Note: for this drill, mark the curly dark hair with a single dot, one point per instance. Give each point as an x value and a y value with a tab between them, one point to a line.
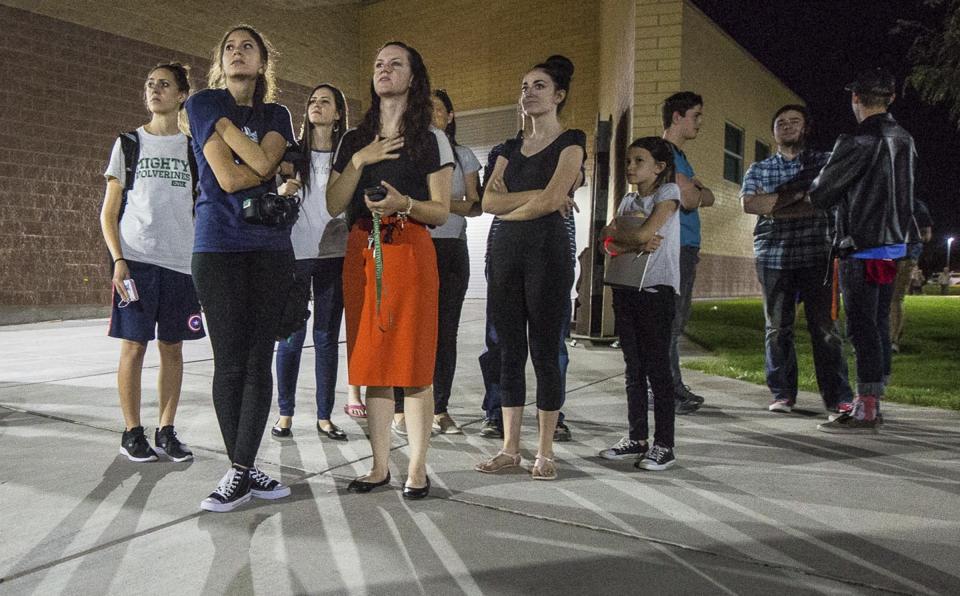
415	124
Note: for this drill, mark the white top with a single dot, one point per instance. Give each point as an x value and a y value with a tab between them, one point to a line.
663	266
157	223
456	225
317	234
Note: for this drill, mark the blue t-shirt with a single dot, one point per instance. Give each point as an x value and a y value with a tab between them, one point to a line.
689	220
888	251
219	223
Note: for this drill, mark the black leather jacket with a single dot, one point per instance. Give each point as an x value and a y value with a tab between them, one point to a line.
869	177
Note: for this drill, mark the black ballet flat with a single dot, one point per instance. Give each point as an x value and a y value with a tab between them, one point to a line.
334	433
416	493
282	433
359	486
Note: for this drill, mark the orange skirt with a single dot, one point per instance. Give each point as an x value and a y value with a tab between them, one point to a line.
397	346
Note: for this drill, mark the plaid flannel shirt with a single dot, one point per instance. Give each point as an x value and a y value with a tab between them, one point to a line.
788	243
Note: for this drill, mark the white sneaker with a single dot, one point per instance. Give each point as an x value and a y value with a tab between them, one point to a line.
780	405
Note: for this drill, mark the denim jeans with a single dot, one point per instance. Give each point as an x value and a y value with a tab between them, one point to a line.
326	277
644	319
867	306
900	287
782	290
689	257
490	367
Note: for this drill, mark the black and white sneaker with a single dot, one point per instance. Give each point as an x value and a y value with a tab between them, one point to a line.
658	458
625	449
168	444
135	446
264	487
233	491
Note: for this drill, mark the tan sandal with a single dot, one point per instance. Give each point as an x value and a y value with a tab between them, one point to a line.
498	462
543	468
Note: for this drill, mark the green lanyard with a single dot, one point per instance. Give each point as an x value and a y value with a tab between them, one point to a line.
378	260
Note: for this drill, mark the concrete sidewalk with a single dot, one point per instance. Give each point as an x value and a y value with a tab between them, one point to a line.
758	504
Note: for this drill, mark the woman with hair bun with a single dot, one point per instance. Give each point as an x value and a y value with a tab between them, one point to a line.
243	271
531	272
392	177
147	223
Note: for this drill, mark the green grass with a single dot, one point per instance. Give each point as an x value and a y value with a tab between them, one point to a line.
925	372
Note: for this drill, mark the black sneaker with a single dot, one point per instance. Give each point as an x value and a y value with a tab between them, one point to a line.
233	491
625	449
168	444
687	402
491	429
135	446
562	433
265	487
849	425
683	392
658	458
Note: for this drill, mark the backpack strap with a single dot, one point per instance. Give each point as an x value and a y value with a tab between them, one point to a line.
130	147
194	177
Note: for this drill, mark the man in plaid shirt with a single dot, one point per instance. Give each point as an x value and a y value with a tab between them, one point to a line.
792	246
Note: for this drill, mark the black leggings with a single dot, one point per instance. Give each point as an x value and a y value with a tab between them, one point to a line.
242	295
531	274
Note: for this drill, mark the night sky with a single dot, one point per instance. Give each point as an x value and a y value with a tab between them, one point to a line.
816	47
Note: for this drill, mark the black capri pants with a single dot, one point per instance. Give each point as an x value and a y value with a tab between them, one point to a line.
531	274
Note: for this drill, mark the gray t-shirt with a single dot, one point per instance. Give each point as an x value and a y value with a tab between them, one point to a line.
456	225
157	223
663	266
317	234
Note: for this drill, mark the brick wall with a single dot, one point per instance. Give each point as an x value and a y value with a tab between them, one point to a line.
68	91
657	65
316	42
736	88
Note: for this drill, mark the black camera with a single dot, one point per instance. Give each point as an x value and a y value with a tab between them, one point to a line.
375	193
272	210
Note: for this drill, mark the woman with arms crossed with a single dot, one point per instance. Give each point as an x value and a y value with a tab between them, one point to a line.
243	271
531	272
390	281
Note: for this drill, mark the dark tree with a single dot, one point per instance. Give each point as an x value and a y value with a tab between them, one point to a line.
935	54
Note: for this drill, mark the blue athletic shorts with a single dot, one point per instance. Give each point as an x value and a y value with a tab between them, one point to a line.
167	309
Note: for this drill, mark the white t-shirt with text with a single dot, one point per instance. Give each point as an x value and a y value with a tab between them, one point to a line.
157	222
